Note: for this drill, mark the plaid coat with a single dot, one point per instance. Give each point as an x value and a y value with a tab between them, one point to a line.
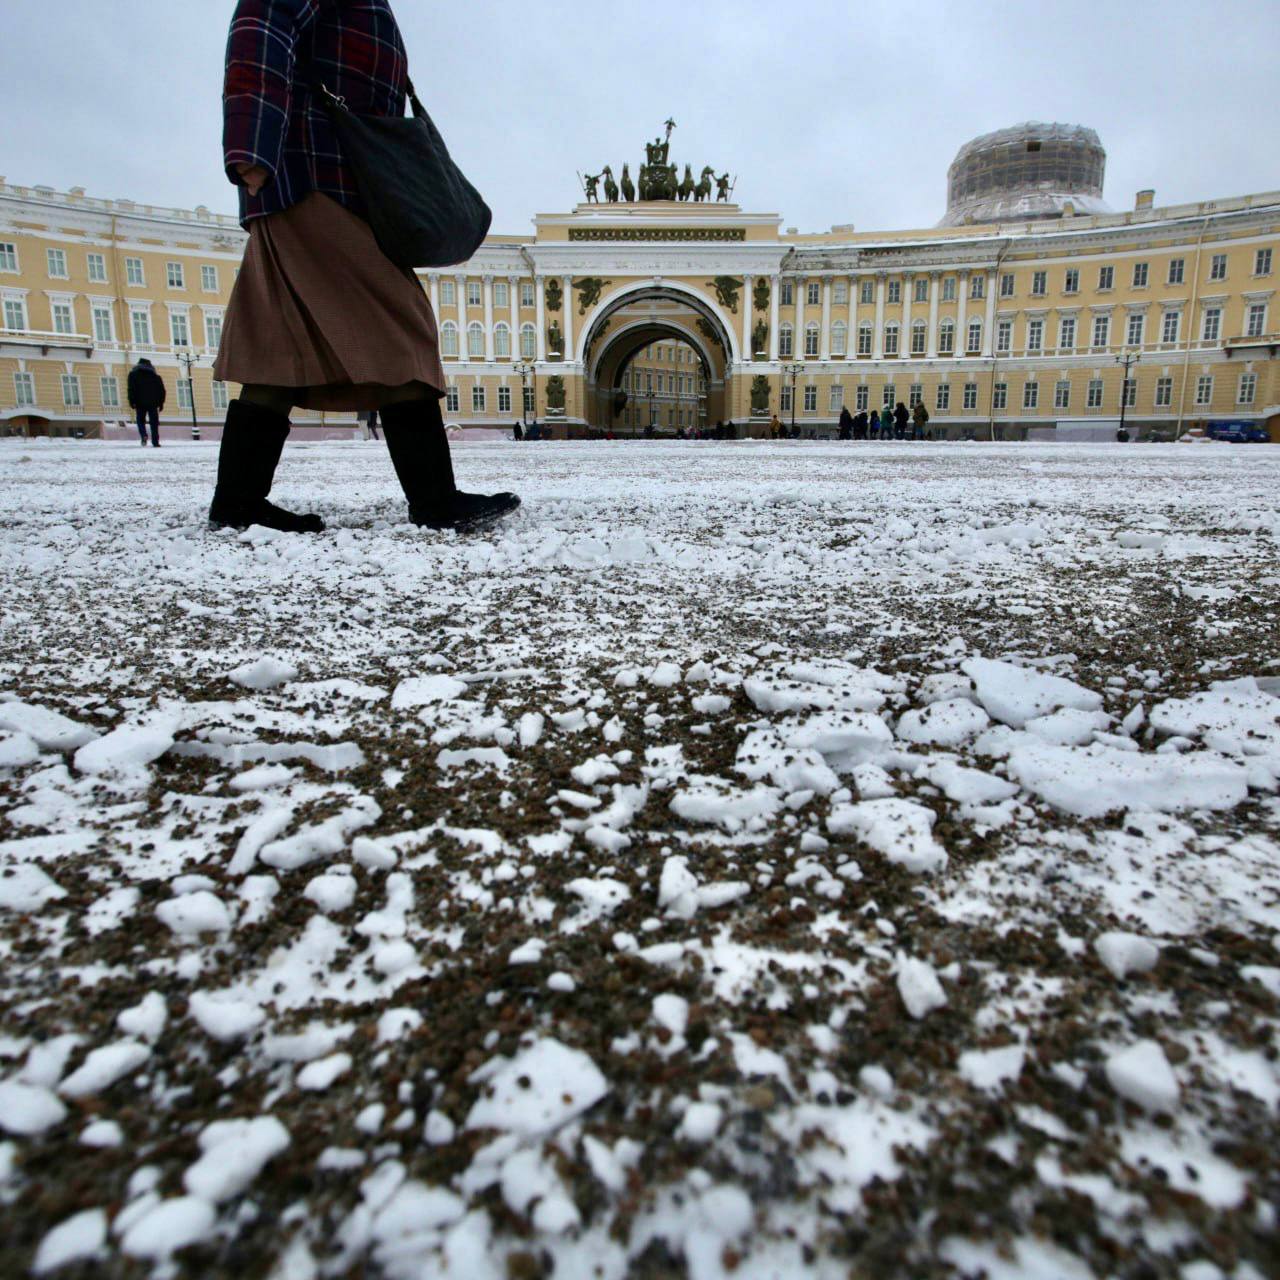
271	114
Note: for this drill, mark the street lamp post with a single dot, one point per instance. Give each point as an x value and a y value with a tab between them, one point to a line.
793	370
526	370
1126	359
188	359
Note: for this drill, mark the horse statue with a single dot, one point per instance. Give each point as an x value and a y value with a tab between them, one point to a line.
703	190
686	187
628	187
610	187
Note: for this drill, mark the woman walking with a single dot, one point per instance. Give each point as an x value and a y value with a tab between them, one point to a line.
319	317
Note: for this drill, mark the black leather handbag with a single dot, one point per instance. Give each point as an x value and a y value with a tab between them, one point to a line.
423	211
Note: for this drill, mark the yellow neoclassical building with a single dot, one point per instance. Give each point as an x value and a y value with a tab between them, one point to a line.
1031	309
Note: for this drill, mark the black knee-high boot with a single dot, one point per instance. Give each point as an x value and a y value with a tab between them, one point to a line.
419	449
252	441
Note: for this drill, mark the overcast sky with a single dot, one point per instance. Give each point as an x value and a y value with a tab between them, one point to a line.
827	112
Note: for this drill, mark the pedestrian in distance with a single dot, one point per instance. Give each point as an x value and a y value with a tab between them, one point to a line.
919	419
320	318
860	425
873	425
900	416
146	397
517	432
775	428
846	423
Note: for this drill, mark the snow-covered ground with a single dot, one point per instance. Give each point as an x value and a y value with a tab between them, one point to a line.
752	860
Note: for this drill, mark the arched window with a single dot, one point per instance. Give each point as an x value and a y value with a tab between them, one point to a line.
449	338
528	342
786	341
974	343
918	330
864	338
891	338
502	341
839	338
947	338
475	339
811	338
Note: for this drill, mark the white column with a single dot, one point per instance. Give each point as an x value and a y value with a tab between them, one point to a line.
851	351
747	306
934	290
797	346
433	285
775	283
464	351
908	295
488	318
825	337
962	302
988	338
568	318
540	315
877	351
513	283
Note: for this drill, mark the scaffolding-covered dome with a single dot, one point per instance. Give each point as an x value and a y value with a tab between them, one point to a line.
1029	172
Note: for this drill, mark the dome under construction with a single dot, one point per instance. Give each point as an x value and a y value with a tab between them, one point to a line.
1027	173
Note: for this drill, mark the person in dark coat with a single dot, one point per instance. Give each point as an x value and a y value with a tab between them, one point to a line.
919	420
146	397
517	432
900	416
319	316
846	423
873	425
860	425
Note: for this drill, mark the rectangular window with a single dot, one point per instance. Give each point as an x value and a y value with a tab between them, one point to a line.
891	339
184	393
1062	395
448	296
133	272
175	276
62	319
1031	395
786	341
1067	333
1000	396
836	402
864	340
474	296
219	395
1137	322
811	399
1039	283
1006	285
15	313
788	292
840	293
179	329
949	289
1140	275
212	330
1101	330
57	260
895	291
24	389
1130	392
915	395
1164	392
943	402
1261	262
1204	389
71	391
1071	282
110	390
1177	269
209	278
1094	400
921	289
1218	267
811	340
451	403
1247	388
890	396
526	294
97	267
1212	324
973	343
141	322
862	398
784	398
977	286
813	295
970	395
1035	335
530	404
917	339
501	294
103	329
1169	326
478	400
1004	335
504	399
8	256
1106	277
868	291
1256	323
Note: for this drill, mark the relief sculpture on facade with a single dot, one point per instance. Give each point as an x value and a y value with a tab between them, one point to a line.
589	289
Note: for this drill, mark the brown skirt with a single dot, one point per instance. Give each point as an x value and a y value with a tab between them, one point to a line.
319	308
